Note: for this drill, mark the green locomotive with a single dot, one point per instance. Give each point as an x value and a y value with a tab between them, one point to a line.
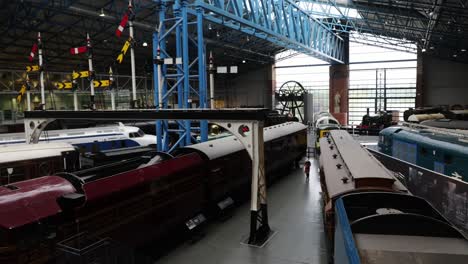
445	153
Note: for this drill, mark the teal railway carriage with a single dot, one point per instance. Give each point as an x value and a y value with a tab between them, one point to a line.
437	151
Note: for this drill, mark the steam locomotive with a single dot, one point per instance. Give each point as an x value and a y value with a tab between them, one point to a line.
138	199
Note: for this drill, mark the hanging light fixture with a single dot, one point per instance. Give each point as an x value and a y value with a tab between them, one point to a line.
145	44
102	13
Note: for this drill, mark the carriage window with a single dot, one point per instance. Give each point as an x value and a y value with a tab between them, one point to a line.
3	237
447	159
134	135
387	141
44	169
95	147
423	151
11	174
137	134
82	149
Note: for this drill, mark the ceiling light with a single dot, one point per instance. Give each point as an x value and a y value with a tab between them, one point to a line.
209	26
454	55
243	61
463	50
431	13
145	44
217	34
423	50
102	13
431	47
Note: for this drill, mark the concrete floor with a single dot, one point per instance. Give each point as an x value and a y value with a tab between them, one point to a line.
294	207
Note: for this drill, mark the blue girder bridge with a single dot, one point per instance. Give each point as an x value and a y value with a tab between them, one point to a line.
180	70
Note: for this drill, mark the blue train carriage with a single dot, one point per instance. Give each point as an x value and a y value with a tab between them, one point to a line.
443	153
386	227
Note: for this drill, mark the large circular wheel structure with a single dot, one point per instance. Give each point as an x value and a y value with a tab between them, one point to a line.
291	97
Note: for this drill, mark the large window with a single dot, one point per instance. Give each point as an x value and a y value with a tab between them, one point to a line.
379	79
311	73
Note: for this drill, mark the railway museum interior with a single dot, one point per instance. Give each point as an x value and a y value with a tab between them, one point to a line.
234	131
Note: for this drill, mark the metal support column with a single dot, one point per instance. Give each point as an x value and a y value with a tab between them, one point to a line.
28	100
41	71
211	71
251	136
185	65
132	55
112	88
201	73
28	93
259	226
180	72
92	104
75	100
184	77
157	68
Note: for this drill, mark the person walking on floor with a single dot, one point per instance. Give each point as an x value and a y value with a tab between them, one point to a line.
307	169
